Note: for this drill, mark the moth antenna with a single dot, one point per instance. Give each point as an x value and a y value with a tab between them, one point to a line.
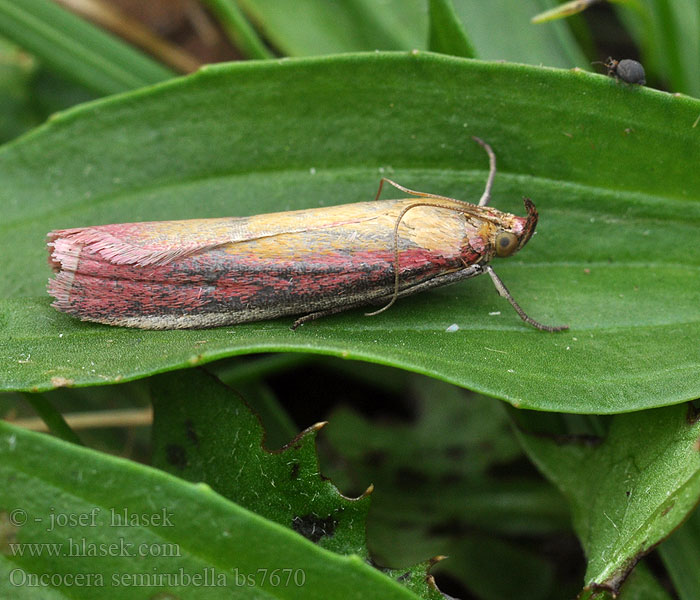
398	186
486	196
402	214
483	201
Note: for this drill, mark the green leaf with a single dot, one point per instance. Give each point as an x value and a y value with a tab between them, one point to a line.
192	532
640	585
681	557
525	42
446	32
445	484
307	27
607	166
628	491
29	93
16	112
52	417
278	425
203	431
77	49
563	10
240	32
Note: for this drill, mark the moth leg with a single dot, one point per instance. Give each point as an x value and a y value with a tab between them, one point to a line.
486	196
503	291
398	186
440	280
324	313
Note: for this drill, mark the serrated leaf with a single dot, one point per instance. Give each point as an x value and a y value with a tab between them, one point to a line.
191	532
203	431
608	167
629	491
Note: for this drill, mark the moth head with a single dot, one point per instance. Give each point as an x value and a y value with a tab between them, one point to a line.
509	240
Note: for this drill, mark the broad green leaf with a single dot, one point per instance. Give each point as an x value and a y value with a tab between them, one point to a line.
193	532
77	49
307	27
248	377
627	492
608	166
681	557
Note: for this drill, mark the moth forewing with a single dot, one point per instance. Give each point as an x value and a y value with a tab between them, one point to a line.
209	272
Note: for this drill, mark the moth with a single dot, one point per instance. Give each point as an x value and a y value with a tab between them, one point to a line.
309	263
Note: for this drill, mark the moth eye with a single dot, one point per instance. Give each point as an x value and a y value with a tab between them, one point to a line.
506	243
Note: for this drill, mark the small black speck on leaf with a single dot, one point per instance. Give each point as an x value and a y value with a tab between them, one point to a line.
313	527
191	433
176	455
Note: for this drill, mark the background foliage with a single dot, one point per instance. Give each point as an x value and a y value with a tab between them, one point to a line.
610	169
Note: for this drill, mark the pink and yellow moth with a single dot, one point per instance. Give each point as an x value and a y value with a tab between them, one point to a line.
209	272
